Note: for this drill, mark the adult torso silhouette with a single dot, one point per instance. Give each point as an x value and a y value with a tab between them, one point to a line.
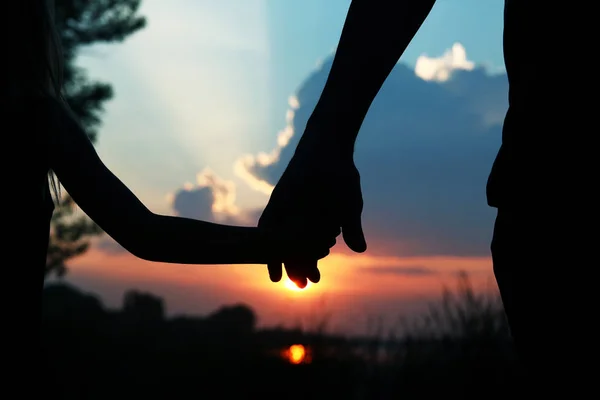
540	185
542	102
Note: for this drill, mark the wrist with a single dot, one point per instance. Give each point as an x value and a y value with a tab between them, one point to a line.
327	137
265	246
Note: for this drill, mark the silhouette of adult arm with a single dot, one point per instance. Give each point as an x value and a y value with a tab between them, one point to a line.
375	35
103	197
320	190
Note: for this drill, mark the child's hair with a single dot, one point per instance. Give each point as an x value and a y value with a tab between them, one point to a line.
34	55
35	59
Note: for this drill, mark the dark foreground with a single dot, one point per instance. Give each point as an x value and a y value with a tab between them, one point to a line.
460	349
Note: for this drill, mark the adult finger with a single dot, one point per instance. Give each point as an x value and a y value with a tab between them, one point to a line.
303	270
312	271
353	234
275	271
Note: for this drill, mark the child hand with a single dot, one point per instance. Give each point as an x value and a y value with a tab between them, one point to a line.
300	252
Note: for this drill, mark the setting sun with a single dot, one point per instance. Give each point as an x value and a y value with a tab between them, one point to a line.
296	354
289	284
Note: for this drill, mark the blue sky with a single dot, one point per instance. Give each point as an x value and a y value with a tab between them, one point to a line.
208	80
213	84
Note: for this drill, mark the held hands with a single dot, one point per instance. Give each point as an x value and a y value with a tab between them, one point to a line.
318	196
270	247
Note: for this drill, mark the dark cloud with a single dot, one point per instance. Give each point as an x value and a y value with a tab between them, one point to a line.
416	270
194	203
210	199
424	152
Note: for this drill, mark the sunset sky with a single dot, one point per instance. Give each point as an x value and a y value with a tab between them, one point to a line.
210	99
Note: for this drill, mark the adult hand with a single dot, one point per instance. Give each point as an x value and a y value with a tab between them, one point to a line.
318	196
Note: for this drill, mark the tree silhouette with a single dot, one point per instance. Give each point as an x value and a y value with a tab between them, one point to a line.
143	307
82	23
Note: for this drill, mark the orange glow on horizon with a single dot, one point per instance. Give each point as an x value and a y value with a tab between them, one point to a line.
352	286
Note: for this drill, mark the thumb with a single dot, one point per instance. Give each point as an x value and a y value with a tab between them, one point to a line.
354	236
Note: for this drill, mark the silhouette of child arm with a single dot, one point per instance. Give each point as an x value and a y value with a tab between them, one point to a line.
105	199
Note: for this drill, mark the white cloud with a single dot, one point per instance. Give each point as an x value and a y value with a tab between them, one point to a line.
440	68
210	198
245	164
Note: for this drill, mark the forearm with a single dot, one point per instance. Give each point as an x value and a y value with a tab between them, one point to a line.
188	241
374	37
